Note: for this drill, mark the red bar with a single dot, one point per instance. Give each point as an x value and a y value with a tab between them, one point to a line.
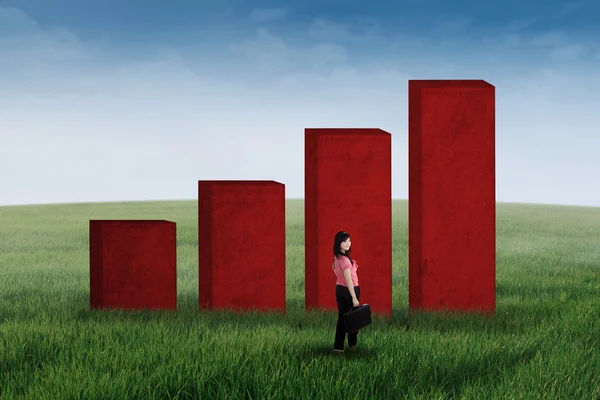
348	186
241	245
452	195
133	264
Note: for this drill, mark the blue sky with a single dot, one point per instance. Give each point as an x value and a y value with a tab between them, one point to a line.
132	100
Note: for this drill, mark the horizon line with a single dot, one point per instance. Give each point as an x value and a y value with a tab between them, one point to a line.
287	198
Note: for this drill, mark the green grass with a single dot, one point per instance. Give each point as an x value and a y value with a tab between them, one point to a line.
544	341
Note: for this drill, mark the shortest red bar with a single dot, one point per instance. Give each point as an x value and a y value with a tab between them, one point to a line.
133	264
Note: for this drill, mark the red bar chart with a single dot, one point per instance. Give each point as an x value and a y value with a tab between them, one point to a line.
452	195
347	187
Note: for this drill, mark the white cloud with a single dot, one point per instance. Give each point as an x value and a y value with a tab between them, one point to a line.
452	26
261	15
572	7
265	44
325	53
358	29
19	34
15	22
549	39
322	29
568	53
34	55
271	54
557	45
519	25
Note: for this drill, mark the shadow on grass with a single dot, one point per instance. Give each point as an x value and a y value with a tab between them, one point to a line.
452	377
418	368
508	319
321	351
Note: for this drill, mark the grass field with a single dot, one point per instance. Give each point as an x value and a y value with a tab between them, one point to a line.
544	341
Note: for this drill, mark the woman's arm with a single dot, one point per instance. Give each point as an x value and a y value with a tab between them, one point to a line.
348	277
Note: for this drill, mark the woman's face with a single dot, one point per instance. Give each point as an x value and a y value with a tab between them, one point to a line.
345	246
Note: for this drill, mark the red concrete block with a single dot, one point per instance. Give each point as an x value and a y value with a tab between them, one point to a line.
241	245
452	195
348	187
133	264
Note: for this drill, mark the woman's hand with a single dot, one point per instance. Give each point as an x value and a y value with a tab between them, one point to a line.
355	302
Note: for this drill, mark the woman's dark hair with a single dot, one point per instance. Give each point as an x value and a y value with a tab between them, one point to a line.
340	238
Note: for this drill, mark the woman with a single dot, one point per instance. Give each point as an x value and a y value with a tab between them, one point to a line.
347	292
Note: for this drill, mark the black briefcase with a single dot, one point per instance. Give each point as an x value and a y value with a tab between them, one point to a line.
357	318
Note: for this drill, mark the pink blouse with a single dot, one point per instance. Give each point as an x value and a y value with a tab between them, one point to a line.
342	263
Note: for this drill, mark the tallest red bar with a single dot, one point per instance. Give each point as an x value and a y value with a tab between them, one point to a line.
452	195
348	186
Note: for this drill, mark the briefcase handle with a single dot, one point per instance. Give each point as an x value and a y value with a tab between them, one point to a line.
358	306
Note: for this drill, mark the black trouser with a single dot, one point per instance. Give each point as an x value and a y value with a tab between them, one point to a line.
344	302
